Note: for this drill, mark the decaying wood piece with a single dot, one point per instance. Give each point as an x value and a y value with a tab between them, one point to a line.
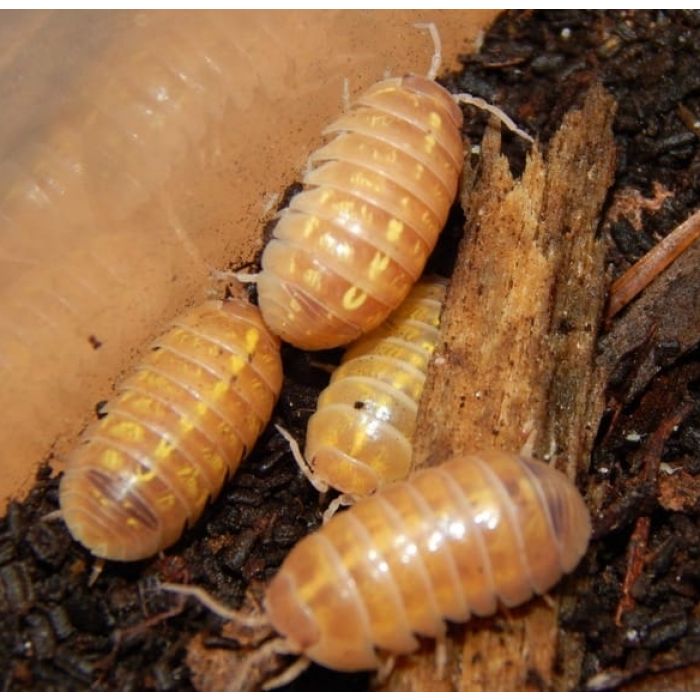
516	355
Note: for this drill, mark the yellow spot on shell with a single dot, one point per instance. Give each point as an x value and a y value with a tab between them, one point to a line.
310	225
112	459
127	430
252	336
140	403
394	230
215	461
163	450
353	298
379	263
186	424
236	363
429	143
221	388
312	278
360	179
434	120
166	501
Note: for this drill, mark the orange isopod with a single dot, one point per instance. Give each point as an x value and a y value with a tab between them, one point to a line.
449	542
178	426
349	247
360	435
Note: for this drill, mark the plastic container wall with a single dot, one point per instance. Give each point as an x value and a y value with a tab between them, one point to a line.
140	152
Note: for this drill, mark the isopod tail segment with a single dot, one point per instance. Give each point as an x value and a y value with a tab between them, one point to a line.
450	542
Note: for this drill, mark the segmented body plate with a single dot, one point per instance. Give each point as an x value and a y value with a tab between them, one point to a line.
360	436
179	425
347	250
450	541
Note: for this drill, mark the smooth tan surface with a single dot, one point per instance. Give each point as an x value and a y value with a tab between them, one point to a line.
360	436
138	152
451	541
178	427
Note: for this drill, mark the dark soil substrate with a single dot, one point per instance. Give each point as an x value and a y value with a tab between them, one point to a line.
123	634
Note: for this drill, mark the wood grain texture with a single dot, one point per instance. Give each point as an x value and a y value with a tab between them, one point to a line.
516	356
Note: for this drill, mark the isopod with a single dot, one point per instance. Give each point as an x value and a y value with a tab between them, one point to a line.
360	435
448	542
348	248
177	428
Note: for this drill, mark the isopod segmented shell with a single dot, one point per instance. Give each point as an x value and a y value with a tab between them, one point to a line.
179	425
360	435
348	248
449	542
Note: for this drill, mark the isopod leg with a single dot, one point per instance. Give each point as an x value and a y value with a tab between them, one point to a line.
53	515
527	450
385	670
320	486
252	671
345	499
246	277
440	657
97	569
257	621
288	675
466	98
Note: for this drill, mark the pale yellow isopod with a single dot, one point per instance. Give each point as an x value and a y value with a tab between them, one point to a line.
349	247
360	435
449	542
177	428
